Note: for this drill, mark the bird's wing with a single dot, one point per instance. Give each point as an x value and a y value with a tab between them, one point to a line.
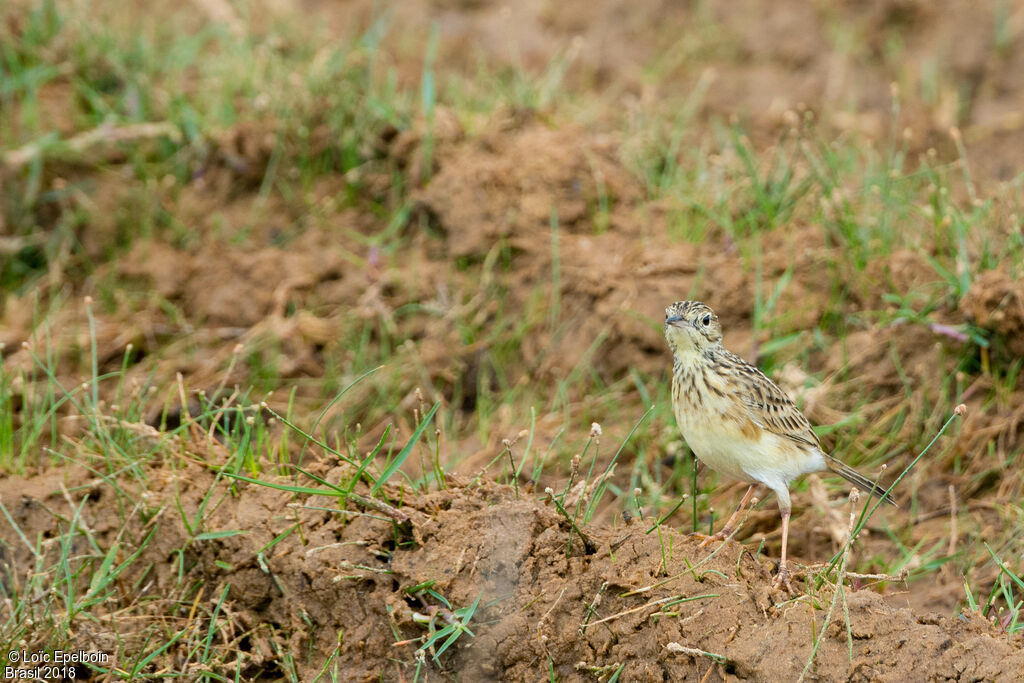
770	408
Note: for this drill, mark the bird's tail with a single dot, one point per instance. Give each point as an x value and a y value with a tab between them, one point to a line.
854	477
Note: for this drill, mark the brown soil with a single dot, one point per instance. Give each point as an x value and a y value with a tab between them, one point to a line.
300	280
756	60
500	187
546	601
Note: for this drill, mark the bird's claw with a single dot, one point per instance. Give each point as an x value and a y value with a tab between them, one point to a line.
782	579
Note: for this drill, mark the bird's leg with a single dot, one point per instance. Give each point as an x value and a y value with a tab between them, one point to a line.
726	531
782	578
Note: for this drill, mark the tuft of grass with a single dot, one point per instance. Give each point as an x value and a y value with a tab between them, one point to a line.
451	633
868	510
1009	586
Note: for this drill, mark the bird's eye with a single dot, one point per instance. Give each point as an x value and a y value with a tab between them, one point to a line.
706	320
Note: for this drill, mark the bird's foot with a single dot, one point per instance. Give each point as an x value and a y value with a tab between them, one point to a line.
782	579
713	538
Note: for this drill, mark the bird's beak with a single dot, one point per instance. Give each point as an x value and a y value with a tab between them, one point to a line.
674	320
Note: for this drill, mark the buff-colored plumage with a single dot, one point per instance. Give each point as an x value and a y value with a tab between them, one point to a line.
737	421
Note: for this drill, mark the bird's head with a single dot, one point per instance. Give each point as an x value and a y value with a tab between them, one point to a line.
691	326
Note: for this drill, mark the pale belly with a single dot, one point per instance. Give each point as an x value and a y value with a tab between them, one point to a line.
763	457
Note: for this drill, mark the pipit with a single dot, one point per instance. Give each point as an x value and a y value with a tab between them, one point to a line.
740	423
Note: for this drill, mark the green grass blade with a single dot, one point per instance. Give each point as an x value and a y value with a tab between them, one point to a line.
330	404
1013	577
226	533
393	466
283	487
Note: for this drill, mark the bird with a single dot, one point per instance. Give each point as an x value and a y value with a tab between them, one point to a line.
740	423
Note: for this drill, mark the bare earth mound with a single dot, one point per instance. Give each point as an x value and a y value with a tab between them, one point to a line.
337	595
